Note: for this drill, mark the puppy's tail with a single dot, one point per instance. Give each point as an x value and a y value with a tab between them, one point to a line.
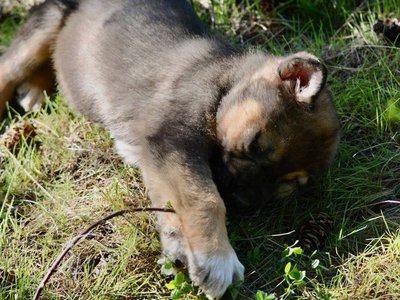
33	45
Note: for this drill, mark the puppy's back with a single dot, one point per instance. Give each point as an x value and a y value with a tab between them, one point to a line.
114	57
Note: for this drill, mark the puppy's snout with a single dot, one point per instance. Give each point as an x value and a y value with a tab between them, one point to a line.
250	201
302	180
289	183
298	177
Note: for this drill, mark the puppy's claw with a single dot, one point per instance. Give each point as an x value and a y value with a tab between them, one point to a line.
214	273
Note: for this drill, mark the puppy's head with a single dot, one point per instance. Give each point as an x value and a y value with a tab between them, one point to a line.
277	127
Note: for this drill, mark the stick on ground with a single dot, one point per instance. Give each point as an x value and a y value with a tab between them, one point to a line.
84	234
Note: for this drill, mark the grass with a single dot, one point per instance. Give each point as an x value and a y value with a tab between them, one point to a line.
67	176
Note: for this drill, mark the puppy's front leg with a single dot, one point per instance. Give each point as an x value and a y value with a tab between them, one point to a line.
187	183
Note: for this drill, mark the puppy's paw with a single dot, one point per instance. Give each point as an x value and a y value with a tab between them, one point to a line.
173	245
215	272
30	97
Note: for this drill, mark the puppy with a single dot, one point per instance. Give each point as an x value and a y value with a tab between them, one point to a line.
205	123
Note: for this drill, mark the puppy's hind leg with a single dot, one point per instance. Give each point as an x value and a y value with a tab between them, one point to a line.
32	47
30	95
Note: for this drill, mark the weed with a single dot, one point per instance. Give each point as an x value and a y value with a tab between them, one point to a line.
180	286
260	295
299	274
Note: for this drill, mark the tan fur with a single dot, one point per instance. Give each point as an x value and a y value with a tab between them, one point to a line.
268	71
237	127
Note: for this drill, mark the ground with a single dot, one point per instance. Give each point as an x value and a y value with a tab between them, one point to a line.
337	239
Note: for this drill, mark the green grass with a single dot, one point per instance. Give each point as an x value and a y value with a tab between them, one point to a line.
67	176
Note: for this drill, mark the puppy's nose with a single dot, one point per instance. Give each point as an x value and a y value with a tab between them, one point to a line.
301	177
302	180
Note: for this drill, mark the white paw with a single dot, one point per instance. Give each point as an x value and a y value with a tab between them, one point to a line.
32	98
214	273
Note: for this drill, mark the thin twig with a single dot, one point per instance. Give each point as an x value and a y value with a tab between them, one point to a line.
391	201
84	234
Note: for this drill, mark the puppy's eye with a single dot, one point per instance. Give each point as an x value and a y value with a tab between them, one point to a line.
261	147
254	147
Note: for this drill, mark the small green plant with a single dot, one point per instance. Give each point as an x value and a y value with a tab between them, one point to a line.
167	266
297	263
293	276
260	295
180	286
299	272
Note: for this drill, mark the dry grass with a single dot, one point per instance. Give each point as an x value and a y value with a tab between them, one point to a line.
372	274
63	179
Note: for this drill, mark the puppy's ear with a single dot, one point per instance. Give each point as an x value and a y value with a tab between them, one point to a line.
303	75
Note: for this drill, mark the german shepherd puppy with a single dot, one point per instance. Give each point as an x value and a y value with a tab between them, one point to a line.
206	123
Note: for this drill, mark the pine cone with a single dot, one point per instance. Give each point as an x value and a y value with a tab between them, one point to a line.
314	231
13	138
